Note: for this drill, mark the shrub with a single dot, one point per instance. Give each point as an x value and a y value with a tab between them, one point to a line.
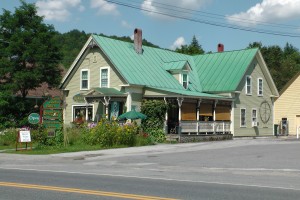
143	139
157	135
8	137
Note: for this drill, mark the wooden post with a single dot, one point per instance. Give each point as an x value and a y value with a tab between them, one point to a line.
198	113
179	101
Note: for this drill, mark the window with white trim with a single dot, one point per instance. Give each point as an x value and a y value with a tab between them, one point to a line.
185	80
260	87
248	85
82	113
104	77
254	117
84	79
243	117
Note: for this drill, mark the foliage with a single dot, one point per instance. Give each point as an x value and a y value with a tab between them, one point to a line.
110	133
70	44
29	56
283	63
157	135
155	111
153	125
8	137
144	139
193	49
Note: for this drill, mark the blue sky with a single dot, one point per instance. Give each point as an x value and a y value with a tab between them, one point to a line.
107	17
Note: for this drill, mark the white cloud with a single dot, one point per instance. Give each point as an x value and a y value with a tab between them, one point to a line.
153	7
126	24
267	11
57	9
104	7
178	43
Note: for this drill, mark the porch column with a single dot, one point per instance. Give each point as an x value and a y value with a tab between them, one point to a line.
166	117
129	101
179	100
198	113
232	118
106	103
214	117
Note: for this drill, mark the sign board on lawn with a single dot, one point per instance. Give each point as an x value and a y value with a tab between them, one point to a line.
24	136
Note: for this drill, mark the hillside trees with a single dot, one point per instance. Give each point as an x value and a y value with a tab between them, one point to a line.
283	63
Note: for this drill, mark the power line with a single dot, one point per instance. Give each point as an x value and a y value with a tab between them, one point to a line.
207	22
217	16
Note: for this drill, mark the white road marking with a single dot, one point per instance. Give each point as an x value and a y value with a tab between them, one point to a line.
161	179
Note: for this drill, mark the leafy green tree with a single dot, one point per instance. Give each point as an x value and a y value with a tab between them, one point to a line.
193	49
29	56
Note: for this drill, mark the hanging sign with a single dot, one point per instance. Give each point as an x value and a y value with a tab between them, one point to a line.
34	118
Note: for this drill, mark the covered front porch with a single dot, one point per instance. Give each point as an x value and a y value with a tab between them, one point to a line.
192	116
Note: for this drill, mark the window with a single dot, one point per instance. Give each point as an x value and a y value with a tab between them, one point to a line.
254	117
260	87
248	85
243	117
104	74
84	79
185	80
81	113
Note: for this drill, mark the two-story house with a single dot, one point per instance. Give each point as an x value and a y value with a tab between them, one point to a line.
212	93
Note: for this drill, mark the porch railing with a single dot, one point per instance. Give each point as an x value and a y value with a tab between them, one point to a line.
203	127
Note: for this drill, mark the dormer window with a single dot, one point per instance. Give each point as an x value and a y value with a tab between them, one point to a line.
185	80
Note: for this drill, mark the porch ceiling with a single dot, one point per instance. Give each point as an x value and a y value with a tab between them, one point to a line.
189	93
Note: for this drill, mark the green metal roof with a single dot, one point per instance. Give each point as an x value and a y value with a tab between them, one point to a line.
222	72
175	65
211	73
145	69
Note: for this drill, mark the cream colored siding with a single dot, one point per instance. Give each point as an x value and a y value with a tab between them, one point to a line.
250	102
92	60
288	105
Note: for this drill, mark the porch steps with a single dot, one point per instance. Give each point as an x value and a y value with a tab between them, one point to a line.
172	137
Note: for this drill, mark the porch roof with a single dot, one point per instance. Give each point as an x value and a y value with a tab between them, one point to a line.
99	92
193	93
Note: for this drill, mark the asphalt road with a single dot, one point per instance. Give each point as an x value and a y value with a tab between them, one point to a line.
239	169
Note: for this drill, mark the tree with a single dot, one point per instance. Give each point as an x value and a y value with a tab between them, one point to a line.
193	49
29	55
283	63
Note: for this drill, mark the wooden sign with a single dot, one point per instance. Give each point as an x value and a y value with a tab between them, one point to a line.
24	136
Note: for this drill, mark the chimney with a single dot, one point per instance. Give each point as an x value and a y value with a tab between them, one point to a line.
220	47
138	40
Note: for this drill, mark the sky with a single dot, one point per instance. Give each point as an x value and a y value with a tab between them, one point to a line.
172	23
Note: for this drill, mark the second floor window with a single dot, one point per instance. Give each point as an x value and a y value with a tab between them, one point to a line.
260	87
248	85
84	79
104	77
